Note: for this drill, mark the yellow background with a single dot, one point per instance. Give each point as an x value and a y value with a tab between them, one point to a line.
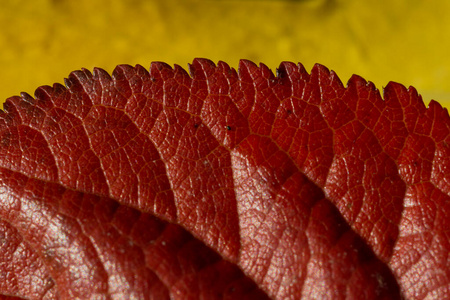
407	41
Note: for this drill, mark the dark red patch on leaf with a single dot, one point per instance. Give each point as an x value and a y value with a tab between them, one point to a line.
223	184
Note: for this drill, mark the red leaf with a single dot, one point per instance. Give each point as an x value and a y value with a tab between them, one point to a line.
223	185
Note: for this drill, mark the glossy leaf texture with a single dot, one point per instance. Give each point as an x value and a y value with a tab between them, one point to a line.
223	184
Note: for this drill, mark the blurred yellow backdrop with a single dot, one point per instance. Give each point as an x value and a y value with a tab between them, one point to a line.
407	41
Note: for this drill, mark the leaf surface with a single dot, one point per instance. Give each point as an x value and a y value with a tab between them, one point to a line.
223	185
